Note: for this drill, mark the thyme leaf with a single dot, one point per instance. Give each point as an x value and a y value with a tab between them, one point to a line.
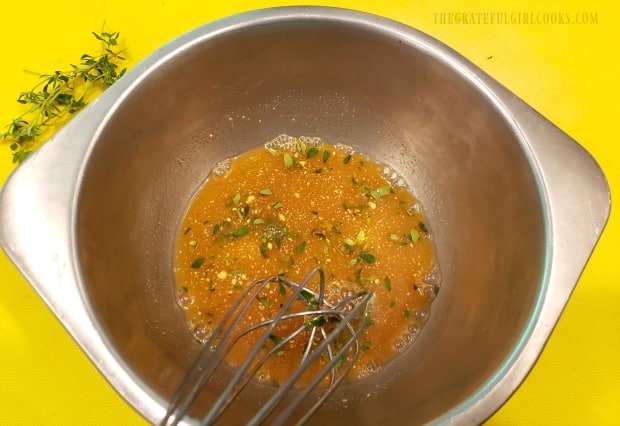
60	94
312	152
197	263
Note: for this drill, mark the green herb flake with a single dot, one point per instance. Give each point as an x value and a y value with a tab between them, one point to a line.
301	145
326	155
423	227
413	235
282	289
265	191
186	230
365	346
197	263
349	242
319	321
258	221
242	231
375	194
388	283
406	313
277	205
288	161
380	192
300	248
394	237
275	339
264	301
185	289
392	303
368	257
347	159
311	301
384	190
236	199
312	152
216	229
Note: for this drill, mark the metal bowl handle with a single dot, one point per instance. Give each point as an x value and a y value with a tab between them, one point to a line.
36	221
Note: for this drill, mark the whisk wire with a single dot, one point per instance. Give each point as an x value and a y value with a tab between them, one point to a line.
222	341
203	366
314	354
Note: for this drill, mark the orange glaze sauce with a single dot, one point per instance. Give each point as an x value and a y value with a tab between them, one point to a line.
289	207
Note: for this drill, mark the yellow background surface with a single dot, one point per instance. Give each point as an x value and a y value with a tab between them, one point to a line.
569	72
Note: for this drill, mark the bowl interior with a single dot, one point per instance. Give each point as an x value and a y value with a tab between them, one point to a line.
225	93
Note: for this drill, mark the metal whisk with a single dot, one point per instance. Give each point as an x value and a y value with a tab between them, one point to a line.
323	322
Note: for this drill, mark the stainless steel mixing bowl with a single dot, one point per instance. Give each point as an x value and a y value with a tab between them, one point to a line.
515	205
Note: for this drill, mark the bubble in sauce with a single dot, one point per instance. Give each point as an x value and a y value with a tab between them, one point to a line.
404	341
433	278
421	315
202	332
222	168
185	300
368	368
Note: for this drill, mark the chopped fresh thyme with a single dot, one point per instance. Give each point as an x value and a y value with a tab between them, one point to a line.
368	257
197	263
275	339
300	248
264	301
242	231
388	283
288	161
413	235
312	152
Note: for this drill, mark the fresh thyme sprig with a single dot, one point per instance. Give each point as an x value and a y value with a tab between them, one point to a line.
59	95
